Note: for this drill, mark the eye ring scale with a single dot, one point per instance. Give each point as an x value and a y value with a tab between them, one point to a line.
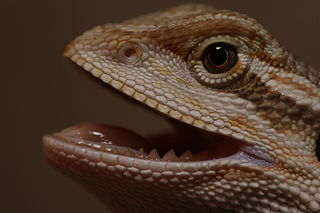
221	62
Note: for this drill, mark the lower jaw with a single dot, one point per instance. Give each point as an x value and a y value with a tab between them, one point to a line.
143	182
104	146
143	185
81	161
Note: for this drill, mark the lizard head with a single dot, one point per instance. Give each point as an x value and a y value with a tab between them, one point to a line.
246	117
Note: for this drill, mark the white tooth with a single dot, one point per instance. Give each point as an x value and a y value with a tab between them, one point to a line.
154	155
170	156
140	152
187	155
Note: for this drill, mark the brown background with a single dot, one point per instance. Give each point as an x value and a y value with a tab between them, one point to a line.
41	92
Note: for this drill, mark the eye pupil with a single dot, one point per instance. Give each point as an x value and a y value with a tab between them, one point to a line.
219	57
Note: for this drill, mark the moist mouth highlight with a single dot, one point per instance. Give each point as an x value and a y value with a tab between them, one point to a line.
184	144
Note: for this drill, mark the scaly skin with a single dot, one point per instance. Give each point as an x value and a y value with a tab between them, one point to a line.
269	100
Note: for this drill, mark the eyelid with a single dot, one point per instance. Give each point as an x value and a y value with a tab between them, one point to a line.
198	50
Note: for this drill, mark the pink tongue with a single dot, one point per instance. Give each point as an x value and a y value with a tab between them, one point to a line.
101	133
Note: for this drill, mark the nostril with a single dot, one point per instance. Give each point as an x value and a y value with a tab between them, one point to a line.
318	148
130	53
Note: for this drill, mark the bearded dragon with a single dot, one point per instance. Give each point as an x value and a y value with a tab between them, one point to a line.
245	114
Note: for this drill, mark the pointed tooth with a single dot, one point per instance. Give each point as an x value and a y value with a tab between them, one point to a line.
187	155
140	152
170	156
154	155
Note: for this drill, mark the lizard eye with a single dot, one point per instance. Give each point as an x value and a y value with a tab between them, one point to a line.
221	62
219	57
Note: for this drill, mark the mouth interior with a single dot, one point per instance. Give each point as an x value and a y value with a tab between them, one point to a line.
183	143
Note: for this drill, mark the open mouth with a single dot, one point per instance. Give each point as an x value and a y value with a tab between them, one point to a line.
183	144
